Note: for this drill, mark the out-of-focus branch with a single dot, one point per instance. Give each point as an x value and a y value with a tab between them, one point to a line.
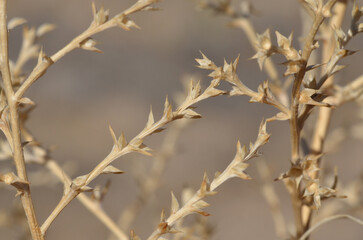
271	197
327	220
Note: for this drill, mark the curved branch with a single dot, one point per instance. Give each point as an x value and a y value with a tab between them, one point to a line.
326	220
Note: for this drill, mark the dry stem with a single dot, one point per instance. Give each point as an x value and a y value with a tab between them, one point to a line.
91	205
324	116
295	129
308	48
15	125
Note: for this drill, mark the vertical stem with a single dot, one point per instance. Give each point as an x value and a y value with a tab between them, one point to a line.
295	129
294	126
323	121
14	123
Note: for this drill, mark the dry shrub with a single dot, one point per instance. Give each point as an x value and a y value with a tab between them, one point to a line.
307	87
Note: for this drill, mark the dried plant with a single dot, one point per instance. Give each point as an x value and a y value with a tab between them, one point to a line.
312	86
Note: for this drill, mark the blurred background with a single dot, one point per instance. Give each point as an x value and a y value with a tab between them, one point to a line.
85	91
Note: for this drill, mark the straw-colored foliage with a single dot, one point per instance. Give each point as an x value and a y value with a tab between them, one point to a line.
312	89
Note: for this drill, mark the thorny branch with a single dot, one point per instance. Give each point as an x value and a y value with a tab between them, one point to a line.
196	203
122	147
302	180
14	98
242	20
100	23
321	13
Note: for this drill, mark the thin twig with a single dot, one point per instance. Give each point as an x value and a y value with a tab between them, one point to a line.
196	203
76	43
271	197
329	219
121	147
92	206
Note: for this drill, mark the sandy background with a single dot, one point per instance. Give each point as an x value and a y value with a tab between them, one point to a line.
85	91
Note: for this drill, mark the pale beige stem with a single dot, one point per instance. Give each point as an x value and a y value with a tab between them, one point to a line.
308	48
323	121
75	190
15	125
92	206
295	129
327	220
271	197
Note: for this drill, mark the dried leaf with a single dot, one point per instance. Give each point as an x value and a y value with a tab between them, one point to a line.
90	45
162	216
205	186
150	8
306	97
26	100
282	41
194	90
100	16
201	204
143	149
174	204
112	170
213	92
125	23
122	141
115	142
264	47
86	189
168	111
198	206
311	67
205	63
44	28
293	66
15	181
150	120
279	116
190	114
14	22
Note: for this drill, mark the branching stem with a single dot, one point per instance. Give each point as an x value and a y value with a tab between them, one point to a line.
15	125
295	128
